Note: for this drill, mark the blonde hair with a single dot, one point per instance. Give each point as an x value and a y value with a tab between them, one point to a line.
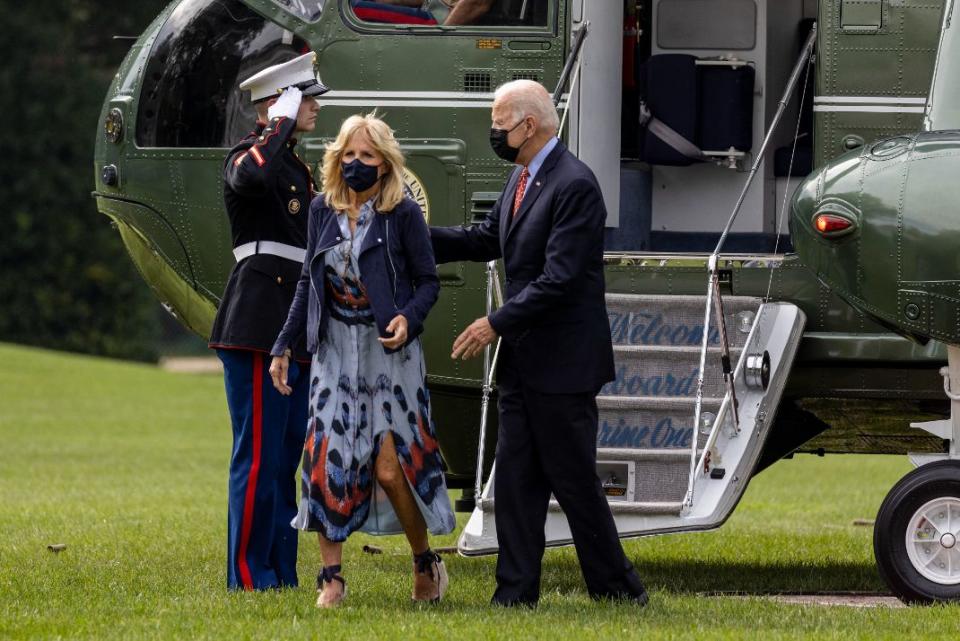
381	138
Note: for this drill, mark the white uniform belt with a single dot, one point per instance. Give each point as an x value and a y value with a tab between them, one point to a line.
269	247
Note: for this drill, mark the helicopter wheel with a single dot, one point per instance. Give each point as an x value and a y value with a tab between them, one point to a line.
916	539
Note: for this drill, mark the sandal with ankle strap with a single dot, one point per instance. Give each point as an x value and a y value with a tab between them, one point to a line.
429	565
329	574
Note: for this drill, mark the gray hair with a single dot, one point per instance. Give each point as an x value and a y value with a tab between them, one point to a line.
528	98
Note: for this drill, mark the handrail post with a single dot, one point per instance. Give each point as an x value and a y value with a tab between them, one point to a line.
698	405
713	285
494	295
572	57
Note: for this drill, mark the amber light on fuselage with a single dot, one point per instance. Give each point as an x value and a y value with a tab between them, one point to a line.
830	223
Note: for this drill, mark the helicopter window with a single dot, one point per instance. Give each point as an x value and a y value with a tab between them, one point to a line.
308	10
190	95
706	24
482	13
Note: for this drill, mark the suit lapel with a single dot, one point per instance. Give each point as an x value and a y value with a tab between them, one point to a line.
506	206
534	188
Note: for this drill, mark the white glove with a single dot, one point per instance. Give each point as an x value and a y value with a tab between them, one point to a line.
287	105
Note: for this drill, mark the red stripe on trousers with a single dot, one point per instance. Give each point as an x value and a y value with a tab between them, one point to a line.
245	577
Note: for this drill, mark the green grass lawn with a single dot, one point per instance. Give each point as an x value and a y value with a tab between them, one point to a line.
126	465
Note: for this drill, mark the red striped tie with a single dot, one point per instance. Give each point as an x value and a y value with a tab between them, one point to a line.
521	189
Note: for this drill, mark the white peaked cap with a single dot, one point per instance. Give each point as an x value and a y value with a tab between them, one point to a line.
298	72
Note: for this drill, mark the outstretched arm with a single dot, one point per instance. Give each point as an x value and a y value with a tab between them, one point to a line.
479	242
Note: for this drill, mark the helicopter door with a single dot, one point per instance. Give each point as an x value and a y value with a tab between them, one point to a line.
707	76
594	127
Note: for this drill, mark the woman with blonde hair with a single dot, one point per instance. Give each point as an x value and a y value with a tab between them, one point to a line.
371	461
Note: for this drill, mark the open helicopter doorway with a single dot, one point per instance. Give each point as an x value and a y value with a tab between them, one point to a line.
688	89
699	378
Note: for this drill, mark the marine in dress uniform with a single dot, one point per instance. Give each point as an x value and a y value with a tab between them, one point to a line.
267	192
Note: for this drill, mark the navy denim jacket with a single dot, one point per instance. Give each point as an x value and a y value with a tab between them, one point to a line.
397	269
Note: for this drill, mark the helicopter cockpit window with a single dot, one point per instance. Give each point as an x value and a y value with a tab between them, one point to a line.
308	10
454	13
190	95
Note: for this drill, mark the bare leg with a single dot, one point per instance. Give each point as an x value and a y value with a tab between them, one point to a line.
394	483
332	554
428	585
429	576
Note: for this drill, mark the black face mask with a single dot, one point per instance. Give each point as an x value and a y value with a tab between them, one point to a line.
498	140
358	176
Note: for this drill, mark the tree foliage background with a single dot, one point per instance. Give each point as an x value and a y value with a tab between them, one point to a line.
65	279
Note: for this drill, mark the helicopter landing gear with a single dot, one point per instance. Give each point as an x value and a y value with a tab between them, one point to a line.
916	539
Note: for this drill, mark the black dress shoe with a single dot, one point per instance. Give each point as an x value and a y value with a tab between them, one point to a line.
641	599
638	599
512	603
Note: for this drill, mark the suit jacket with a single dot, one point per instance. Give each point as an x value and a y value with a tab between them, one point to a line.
554	316
266	190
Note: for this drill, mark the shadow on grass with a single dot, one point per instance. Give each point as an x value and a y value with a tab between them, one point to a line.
758	578
695	577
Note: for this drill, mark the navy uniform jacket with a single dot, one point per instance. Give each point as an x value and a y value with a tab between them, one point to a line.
267	191
554	315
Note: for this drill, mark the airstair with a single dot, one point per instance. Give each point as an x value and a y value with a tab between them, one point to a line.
698	382
661	470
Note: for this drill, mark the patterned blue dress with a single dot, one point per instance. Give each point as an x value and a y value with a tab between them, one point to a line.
359	393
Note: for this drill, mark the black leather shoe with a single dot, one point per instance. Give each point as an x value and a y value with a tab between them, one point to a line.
638	599
642	599
512	603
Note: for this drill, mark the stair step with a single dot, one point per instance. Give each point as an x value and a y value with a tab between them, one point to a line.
637	454
674	320
637	507
658	371
617	507
665	403
649	422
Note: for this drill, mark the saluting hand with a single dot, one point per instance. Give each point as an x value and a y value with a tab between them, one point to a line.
398	326
278	372
473	339
287	105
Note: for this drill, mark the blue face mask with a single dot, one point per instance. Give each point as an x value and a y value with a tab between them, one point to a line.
358	176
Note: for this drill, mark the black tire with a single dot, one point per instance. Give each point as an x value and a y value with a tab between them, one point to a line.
924	484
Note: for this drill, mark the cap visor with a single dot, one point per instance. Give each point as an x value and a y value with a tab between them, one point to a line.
314	89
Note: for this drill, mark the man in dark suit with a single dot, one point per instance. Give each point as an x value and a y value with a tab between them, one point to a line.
556	351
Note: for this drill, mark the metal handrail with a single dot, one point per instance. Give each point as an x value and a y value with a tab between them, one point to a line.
572	58
494	296
725	403
713	277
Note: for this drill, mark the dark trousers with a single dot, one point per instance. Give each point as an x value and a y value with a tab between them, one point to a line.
268	433
548	443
